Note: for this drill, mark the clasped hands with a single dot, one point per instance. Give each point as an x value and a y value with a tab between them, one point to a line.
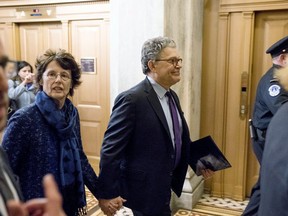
111	206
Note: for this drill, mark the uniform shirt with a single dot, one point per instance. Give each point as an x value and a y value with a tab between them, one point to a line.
269	97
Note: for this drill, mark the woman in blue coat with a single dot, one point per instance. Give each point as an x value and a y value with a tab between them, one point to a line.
45	136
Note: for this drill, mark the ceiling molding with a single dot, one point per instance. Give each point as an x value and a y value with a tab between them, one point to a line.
13	3
252	5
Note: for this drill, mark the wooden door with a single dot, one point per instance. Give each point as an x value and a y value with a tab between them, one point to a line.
8	38
35	38
269	28
89	41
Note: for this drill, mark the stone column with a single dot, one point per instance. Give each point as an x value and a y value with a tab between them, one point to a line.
183	21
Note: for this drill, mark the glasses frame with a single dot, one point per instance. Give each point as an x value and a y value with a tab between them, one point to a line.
173	61
57	74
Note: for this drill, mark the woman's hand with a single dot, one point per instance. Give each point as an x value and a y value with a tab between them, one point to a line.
29	78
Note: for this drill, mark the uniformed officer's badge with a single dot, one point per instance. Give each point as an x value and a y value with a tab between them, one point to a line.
274	90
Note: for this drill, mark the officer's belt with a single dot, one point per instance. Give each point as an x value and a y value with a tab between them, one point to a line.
261	133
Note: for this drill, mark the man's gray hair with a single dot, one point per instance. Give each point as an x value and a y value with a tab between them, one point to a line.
152	48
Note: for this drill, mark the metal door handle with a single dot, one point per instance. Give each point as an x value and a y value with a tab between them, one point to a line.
243	96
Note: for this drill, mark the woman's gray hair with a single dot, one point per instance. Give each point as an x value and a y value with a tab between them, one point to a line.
152	48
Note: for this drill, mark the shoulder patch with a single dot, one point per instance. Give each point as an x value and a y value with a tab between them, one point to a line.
274	90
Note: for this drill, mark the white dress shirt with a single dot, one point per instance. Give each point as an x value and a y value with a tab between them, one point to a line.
160	91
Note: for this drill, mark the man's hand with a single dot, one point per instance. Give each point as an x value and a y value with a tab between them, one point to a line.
52	205
207	173
16	208
111	206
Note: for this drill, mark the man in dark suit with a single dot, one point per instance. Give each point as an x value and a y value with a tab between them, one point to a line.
274	178
141	157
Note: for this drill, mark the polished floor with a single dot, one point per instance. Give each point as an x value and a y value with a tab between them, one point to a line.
209	205
206	206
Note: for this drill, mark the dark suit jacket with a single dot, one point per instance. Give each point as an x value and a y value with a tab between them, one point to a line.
137	156
5	191
274	167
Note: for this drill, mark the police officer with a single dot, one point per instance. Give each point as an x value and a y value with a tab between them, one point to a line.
269	97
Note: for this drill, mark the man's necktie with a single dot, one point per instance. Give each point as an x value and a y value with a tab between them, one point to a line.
176	127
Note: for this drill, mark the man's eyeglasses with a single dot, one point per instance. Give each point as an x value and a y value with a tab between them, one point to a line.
173	61
63	76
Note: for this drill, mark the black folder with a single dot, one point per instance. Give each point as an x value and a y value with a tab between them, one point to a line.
205	154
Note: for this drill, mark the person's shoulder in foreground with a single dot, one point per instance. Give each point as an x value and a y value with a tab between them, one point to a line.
274	199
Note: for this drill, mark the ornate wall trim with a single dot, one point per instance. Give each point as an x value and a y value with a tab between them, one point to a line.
9	3
57	12
255	5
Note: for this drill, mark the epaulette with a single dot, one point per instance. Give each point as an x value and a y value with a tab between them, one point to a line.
274	80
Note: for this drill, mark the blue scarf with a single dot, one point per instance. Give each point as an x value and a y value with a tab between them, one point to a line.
64	122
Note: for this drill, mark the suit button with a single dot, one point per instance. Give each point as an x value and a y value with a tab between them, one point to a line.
172	156
171	174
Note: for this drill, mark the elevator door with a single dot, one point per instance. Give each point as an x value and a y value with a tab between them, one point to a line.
35	38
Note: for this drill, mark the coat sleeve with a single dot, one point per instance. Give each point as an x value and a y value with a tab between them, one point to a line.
15	92
270	95
116	139
89	175
283	98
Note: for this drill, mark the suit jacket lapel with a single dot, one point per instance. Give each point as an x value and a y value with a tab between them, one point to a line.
154	101
4	166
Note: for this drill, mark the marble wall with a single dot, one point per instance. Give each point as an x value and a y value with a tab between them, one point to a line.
132	23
